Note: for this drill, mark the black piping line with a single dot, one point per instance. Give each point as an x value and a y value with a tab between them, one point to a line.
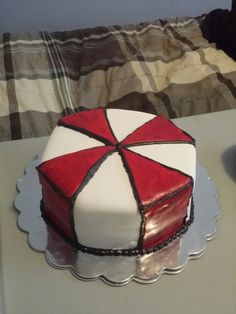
191	141
86	132
88	176
169	168
139	127
159	142
154	161
90	173
109	125
136	196
50	182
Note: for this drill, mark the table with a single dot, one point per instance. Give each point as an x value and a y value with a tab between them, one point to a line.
207	285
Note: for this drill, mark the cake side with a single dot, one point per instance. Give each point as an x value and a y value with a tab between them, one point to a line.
134	196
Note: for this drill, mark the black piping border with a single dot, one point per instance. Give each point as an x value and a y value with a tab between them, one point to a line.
124	252
109	125
191	140
86	132
190	183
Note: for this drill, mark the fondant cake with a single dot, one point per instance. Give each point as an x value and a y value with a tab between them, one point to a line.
118	182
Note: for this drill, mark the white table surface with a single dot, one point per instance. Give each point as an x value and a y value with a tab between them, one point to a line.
207	285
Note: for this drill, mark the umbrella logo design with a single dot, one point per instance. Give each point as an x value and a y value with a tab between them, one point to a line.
161	193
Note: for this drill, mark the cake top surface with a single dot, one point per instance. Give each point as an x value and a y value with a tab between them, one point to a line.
83	141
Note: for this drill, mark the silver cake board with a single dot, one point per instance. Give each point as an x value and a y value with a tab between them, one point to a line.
118	270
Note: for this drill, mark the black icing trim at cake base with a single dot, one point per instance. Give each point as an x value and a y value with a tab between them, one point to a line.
122	252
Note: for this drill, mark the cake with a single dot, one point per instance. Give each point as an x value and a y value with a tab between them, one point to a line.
118	182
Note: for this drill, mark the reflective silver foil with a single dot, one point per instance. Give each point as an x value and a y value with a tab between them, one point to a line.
118	270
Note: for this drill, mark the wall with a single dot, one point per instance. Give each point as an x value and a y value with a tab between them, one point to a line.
33	15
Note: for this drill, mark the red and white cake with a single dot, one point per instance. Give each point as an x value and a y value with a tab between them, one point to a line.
118	182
